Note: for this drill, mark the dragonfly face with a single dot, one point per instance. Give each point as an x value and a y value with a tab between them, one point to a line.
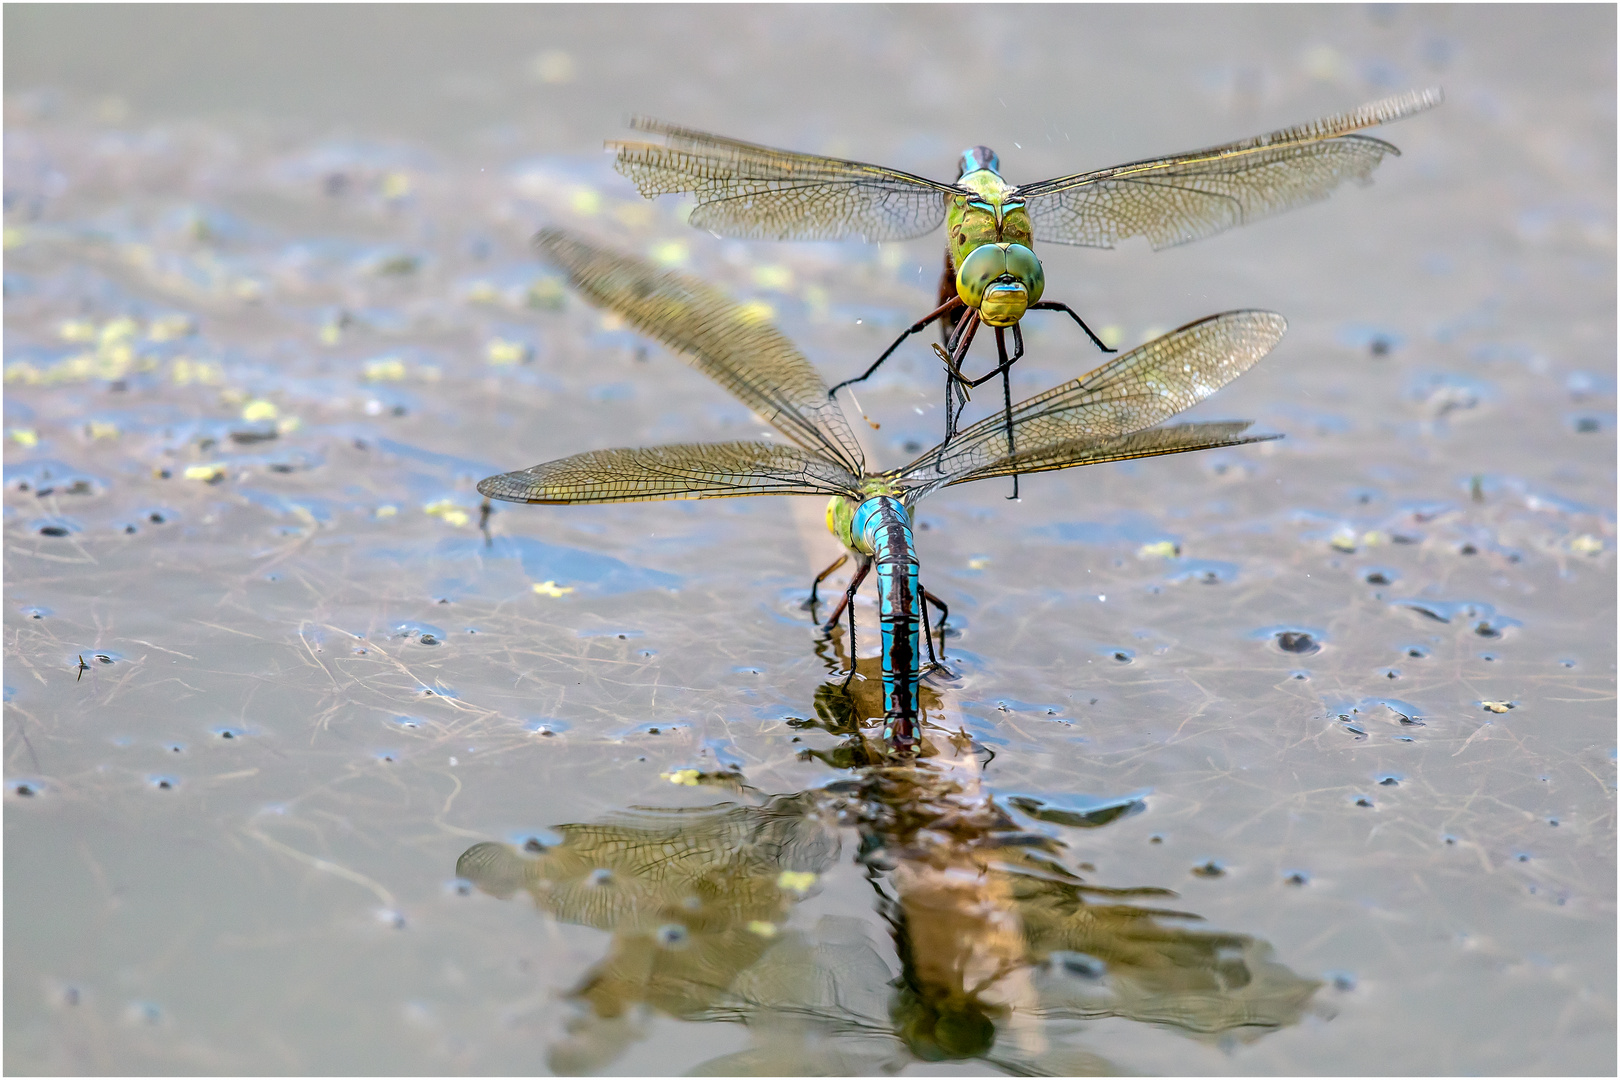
1001	281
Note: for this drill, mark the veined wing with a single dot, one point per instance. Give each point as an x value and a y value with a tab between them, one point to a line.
727	342
759	193
679	471
1154	442
1144	387
1185	197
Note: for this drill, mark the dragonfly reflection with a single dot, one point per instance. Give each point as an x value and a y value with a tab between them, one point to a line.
990	934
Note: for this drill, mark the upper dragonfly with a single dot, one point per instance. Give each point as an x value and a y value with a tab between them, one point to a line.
992	275
1102	416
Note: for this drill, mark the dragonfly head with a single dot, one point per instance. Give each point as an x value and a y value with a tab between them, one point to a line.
975	158
1001	281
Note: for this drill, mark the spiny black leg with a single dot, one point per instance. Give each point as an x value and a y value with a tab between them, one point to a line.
1006	389
842	559
1001	369
928	639
849	595
916	327
849	602
1053	305
944	613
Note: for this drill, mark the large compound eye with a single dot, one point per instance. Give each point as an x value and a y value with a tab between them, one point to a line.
1023	265
982	266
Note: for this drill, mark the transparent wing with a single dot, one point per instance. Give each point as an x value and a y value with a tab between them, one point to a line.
729	343
1130	393
1154	442
758	193
1174	200
680	471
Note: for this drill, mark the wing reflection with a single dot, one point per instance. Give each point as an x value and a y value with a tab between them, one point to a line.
990	937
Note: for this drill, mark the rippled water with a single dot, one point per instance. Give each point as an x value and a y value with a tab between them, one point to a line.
1296	757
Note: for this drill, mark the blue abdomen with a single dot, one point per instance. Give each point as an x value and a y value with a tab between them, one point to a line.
884	528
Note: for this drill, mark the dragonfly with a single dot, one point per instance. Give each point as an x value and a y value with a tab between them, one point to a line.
1107	415
992	276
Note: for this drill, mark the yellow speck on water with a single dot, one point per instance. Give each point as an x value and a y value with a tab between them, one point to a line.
761	928
77	330
331	334
756	311
668	253
779	278
1374	538
547	294
14	238
385	369
24	436
688	777
288	424
233	395
447	511
1159	549
798	881
978	562
1497	706
170	327
635	215
101	429
482	292
1112	335
396	185
1586	544
1324	62
553	66
186	371
585	202
1343	539
118	330
208	474
553	590
501	352
260	409
387	511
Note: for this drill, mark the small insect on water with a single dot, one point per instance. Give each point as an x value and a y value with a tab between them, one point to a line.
992	276
1107	415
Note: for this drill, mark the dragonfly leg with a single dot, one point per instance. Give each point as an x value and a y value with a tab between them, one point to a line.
944	613
849	595
916	327
1006	386
811	603
1053	305
484	510
849	602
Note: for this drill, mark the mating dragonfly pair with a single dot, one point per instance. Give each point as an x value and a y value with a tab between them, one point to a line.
1106	415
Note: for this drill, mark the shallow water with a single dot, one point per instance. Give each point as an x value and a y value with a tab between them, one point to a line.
271	698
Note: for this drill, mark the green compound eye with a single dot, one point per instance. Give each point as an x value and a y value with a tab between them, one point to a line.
1023	265
982	266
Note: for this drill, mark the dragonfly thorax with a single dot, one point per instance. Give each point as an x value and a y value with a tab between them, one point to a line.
851	520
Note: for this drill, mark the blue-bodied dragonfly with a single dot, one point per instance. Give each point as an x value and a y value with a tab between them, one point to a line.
1107	415
992	275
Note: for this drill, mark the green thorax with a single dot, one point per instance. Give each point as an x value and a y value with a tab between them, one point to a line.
841	509
989	216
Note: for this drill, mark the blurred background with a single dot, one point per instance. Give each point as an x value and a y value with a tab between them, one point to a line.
270	315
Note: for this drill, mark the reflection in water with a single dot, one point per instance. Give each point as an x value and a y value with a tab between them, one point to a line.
991	935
